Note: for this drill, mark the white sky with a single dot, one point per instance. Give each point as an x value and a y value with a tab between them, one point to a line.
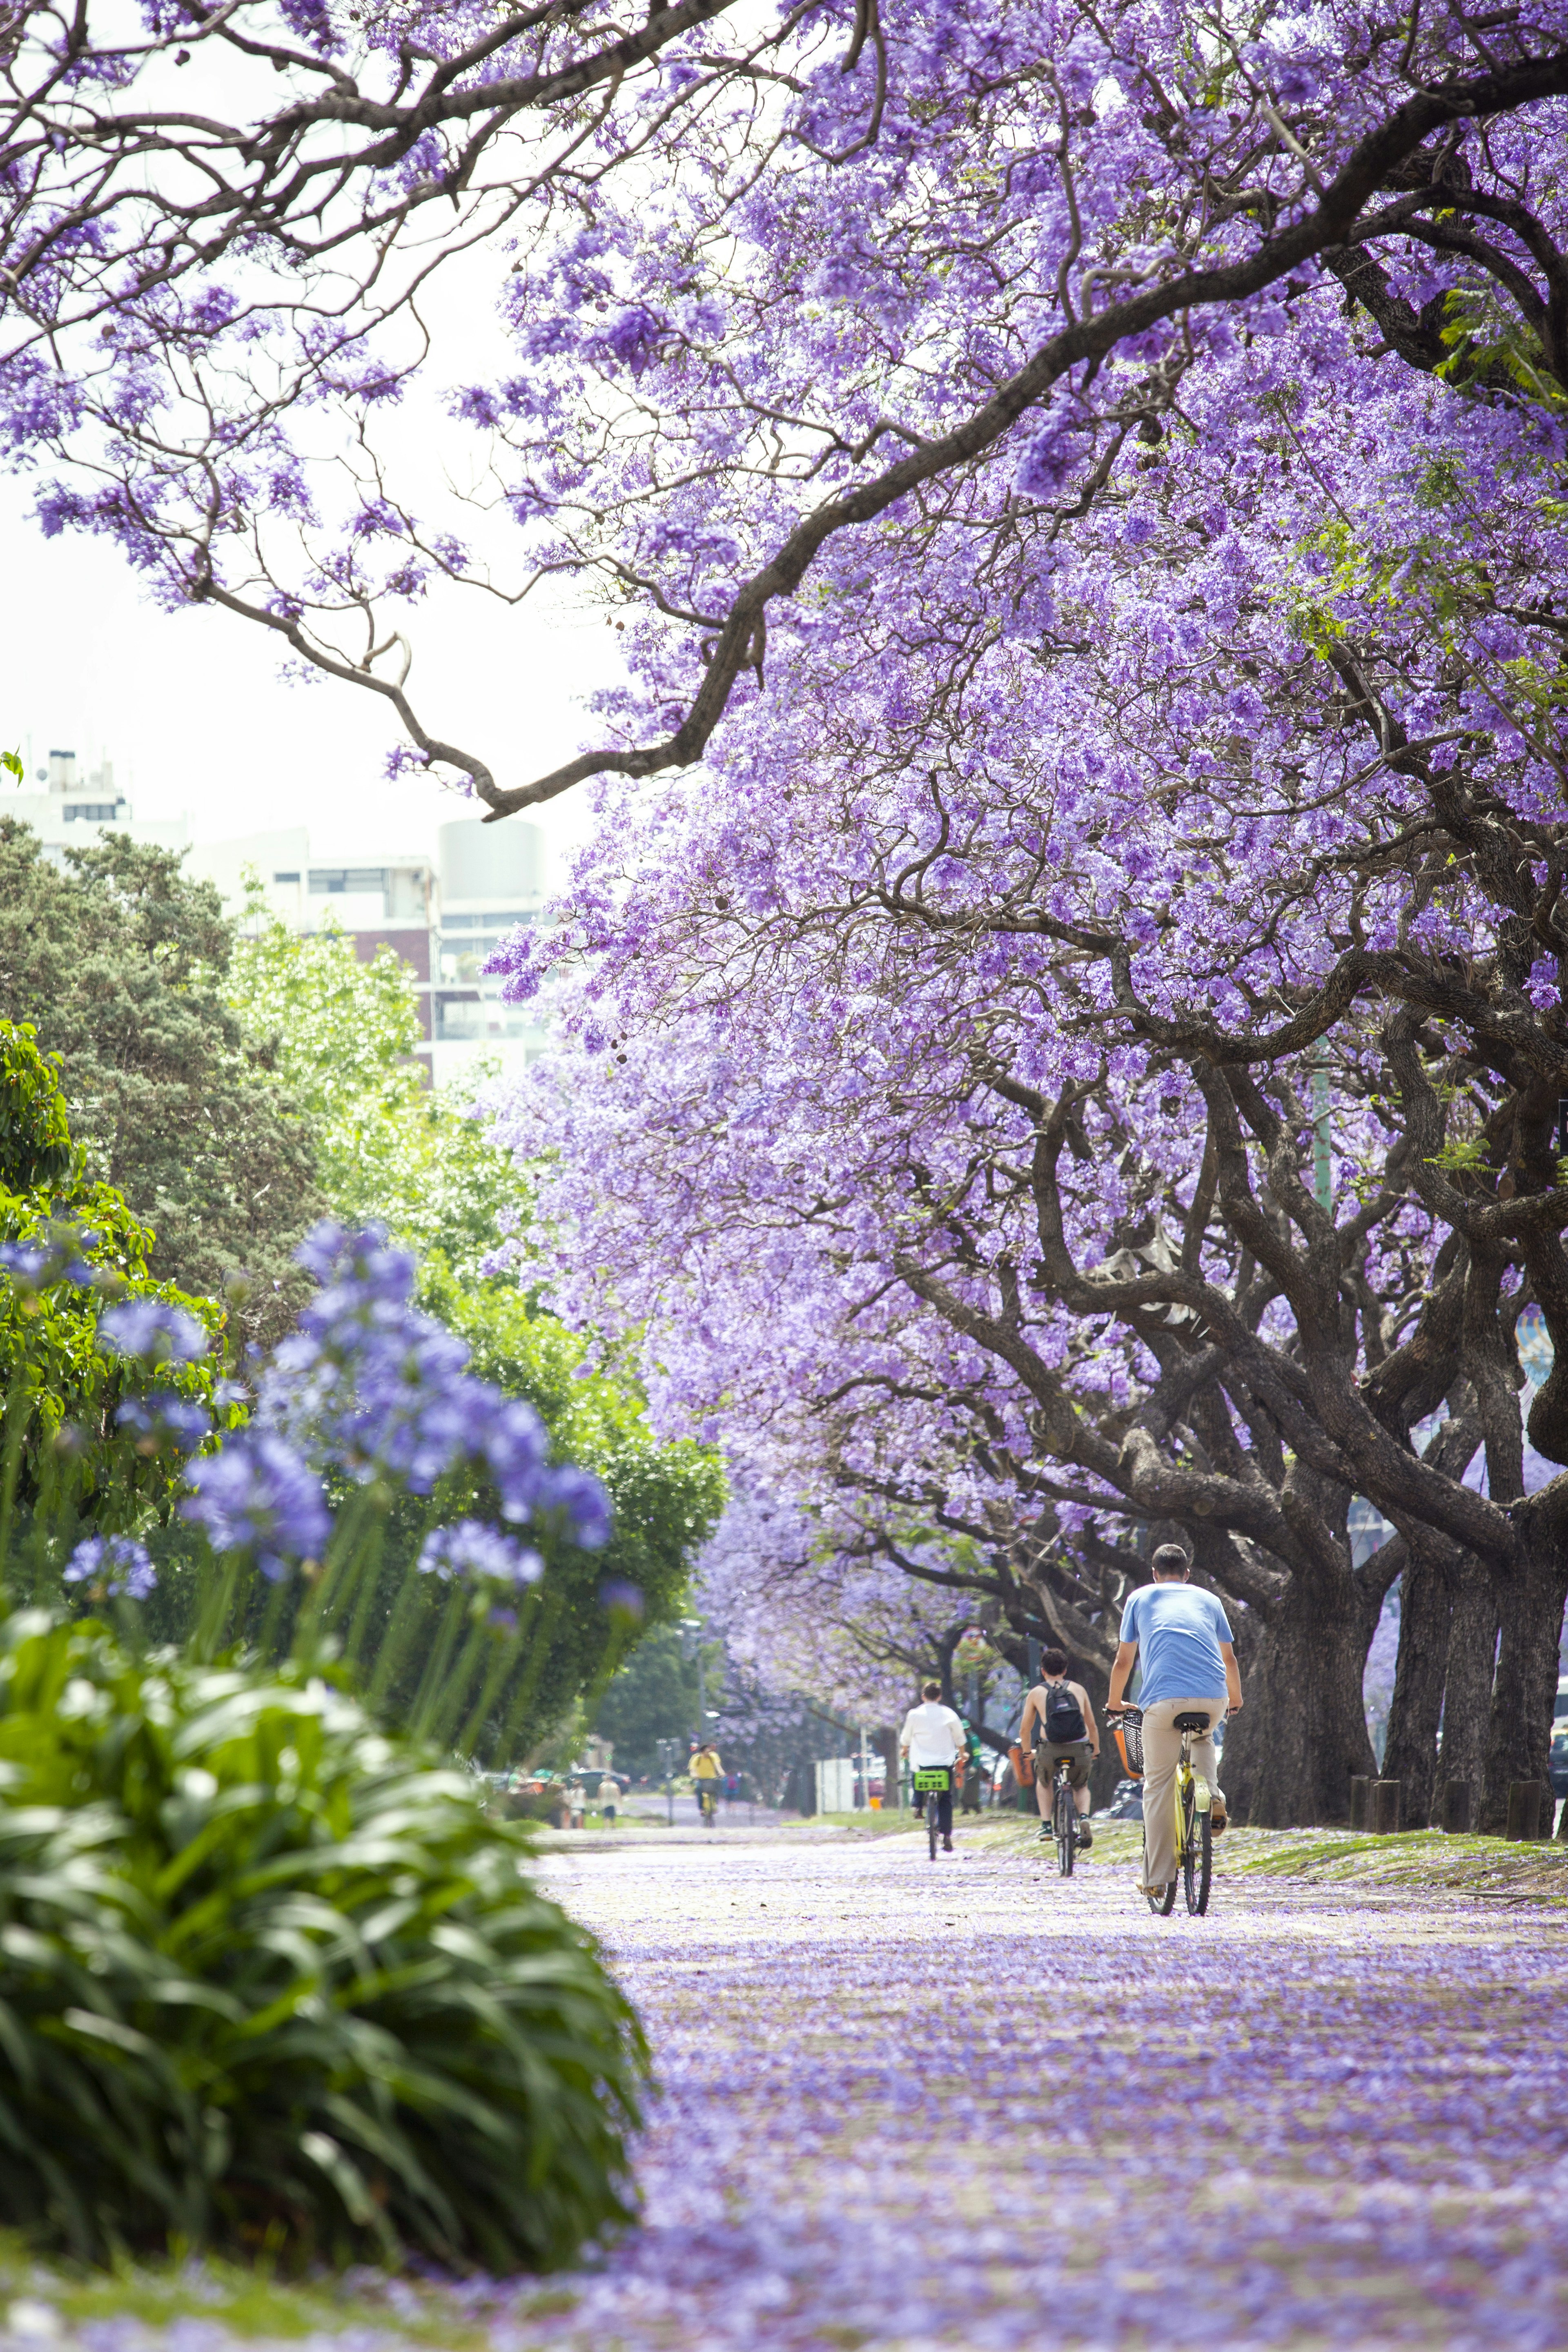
193	712
190	706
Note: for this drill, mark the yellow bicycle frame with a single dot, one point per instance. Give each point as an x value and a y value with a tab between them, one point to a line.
1187	1779
1183	1783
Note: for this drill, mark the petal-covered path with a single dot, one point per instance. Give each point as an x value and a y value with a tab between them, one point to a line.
979	2105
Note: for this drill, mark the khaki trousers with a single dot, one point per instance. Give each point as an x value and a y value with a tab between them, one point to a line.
1161	1754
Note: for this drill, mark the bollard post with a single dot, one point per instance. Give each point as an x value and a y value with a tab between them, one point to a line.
1459	1799
1524	1809
1359	1787
1385	1807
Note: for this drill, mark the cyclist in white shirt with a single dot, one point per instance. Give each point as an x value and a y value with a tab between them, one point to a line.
932	1738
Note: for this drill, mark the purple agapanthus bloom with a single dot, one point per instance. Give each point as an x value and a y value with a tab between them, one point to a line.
514	1442
582	1497
372	1386
152	1330
470	1549
120	1563
258	1496
24	1260
36	1265
162	1418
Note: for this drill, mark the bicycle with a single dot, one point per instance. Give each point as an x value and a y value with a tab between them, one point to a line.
1064	1817
1194	1830
708	1803
932	1781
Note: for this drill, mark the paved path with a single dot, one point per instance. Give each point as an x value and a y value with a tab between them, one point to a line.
975	2105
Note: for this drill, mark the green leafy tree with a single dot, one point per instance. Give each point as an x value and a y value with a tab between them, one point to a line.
653	1697
119	962
341	1034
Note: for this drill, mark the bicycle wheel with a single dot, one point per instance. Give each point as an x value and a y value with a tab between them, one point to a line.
1065	1828
1197	1863
1186	1807
931	1831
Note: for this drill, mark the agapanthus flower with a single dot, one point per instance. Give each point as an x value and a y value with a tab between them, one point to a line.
615	1594
118	1564
163	1418
514	1442
258	1495
152	1330
582	1497
470	1548
372	1386
37	1265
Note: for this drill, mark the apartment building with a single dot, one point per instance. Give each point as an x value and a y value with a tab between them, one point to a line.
443	914
71	810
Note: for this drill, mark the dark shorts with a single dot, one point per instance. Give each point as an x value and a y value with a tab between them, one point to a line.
1080	1757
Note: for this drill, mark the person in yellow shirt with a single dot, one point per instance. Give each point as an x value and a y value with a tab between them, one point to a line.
706	1774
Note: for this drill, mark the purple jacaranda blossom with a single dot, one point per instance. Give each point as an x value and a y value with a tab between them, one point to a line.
616	1593
153	1331
163	1418
472	1550
118	1564
258	1496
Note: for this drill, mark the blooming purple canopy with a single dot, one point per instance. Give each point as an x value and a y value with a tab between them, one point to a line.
863	294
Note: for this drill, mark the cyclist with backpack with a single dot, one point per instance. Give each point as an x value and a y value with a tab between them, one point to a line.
1058	1716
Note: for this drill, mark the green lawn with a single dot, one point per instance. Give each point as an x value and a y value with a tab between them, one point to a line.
248	2302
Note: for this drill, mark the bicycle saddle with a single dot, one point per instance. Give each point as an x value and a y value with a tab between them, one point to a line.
1189	1722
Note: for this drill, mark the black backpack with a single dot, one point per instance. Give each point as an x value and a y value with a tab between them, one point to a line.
1063	1716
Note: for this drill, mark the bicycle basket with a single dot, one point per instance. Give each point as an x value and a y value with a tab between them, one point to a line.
1130	1739
935	1778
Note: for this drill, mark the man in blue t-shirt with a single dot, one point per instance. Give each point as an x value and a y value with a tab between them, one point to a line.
1182	1641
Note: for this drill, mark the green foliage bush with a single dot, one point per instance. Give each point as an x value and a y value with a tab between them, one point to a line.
60	1385
269	1980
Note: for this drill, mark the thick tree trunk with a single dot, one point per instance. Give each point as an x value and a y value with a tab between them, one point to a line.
888	1747
1467	1681
1104	1776
1301	1734
1518	1738
1410	1750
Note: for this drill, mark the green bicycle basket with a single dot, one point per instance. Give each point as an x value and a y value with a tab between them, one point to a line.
935	1778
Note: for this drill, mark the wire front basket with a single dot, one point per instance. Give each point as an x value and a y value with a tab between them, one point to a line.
1128	1730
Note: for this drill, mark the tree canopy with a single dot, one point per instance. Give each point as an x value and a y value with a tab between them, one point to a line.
798	296
118	960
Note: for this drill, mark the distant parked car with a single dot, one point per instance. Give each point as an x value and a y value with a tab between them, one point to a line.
1126	1805
1557	1766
